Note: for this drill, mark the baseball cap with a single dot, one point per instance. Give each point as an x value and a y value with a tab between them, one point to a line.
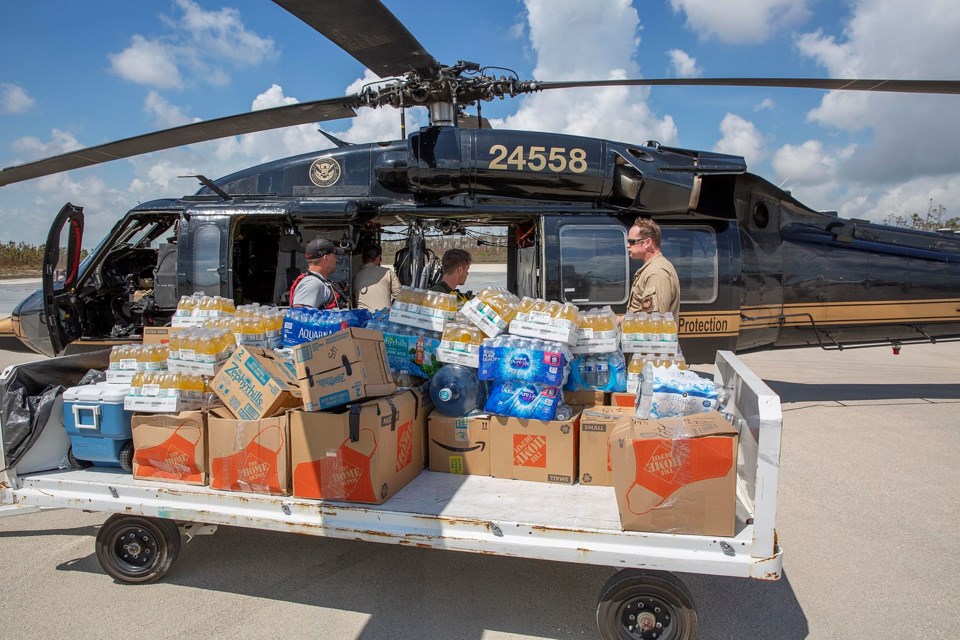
320	247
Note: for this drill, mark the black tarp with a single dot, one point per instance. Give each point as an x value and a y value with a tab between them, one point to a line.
28	393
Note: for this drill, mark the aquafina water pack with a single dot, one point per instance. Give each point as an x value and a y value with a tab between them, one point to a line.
598	372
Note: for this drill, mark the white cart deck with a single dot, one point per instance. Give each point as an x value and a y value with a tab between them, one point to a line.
480	514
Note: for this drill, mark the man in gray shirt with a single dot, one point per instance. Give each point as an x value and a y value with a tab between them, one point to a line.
313	288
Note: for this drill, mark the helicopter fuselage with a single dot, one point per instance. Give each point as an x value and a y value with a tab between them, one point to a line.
758	269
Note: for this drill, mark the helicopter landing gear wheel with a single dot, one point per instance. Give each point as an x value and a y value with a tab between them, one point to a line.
137	549
646	605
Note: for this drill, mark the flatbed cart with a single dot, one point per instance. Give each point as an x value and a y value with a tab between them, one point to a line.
141	540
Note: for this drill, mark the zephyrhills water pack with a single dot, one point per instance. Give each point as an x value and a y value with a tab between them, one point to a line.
524	359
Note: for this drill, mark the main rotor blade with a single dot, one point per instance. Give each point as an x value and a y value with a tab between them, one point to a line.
293	114
367	31
832	84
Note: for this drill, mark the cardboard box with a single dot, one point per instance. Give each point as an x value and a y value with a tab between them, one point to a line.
621	399
676	475
596	424
365	452
586	398
249	455
256	383
158	335
344	367
534	450
459	444
171	448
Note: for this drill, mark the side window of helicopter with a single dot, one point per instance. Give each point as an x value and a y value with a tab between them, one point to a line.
205	274
693	252
594	264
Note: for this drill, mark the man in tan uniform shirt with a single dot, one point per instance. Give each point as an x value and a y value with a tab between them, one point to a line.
656	286
374	287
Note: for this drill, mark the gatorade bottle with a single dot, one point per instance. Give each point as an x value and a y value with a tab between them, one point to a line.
669	328
634	369
456	390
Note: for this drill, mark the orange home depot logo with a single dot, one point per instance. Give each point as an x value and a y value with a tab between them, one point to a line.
404	445
529	451
663	466
343	474
176	461
254	469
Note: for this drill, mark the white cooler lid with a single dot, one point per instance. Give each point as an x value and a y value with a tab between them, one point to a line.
100	392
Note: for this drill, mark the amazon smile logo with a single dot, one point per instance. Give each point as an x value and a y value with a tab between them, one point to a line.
479	446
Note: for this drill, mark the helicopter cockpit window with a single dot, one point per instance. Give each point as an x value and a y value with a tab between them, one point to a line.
594	267
206	257
693	252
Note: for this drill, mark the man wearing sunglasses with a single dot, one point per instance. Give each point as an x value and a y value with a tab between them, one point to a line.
656	286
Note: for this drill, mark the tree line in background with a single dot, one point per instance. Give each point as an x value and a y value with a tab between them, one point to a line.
488	246
934	220
23	259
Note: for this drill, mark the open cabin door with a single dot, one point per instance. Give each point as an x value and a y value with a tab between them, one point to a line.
61	269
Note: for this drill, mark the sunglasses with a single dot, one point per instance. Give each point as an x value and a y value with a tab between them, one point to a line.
633	241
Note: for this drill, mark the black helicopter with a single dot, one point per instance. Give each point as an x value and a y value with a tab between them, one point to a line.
758	268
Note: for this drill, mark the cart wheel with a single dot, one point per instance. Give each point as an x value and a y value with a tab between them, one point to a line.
75	463
137	549
126	457
652	605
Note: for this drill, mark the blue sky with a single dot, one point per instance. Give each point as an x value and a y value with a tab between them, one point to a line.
79	74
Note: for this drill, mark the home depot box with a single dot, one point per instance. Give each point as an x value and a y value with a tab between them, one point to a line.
169	447
342	367
585	398
596	424
459	444
249	455
622	399
364	452
676	475
534	449
256	383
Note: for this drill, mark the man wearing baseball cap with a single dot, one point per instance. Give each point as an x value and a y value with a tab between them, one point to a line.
313	288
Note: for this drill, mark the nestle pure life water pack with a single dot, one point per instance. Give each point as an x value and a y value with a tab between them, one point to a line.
523	400
524	359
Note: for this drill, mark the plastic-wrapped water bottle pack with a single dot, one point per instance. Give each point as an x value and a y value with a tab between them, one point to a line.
598	372
509	357
672	393
526	400
305	324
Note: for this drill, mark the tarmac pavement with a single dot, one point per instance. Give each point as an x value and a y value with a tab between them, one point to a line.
869	510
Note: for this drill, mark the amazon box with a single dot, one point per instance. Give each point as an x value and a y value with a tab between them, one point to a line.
249	455
256	383
171	448
676	475
585	398
460	445
534	450
596	424
364	452
341	368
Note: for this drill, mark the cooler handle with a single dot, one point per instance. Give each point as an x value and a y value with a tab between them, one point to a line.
94	412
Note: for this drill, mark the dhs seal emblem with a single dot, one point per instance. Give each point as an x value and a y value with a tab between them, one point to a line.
324	172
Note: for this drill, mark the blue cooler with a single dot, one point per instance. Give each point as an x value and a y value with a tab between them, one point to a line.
98	427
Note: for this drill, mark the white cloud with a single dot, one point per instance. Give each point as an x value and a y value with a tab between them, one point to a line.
165	115
684	65
33	148
766	103
741	138
195	50
14	99
617	113
148	62
741	21
809	163
906	153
